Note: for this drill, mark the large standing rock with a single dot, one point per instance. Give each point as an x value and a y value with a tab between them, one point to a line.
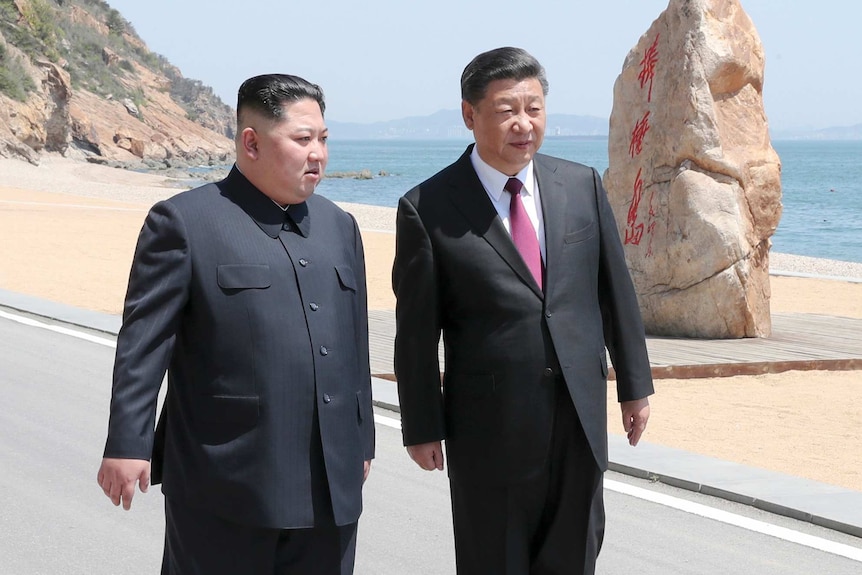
58	89
693	179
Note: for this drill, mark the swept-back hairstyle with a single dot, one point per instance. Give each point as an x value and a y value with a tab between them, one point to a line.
499	64
267	95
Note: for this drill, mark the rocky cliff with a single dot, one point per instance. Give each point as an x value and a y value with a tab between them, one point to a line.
76	79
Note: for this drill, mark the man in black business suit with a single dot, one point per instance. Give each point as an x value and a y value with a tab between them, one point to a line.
525	320
251	294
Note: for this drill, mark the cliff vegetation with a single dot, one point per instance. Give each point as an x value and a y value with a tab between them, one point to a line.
75	78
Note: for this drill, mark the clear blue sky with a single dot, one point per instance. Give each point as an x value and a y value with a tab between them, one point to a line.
388	59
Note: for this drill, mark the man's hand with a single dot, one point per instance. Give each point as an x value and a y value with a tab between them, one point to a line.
366	469
429	456
117	478
635	417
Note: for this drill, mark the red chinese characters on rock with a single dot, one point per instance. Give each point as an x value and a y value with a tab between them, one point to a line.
637	142
635	229
651	227
648	65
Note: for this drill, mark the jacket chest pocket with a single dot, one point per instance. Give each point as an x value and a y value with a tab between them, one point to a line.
580	234
233	277
346	278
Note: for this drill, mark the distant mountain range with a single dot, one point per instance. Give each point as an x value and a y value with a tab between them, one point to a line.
448	124
835	133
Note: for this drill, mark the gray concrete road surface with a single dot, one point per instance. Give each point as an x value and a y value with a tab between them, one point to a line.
54	519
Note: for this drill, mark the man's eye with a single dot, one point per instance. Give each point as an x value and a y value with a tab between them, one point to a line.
324	139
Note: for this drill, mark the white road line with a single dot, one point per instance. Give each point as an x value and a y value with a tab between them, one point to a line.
387	421
782	533
710	513
59	329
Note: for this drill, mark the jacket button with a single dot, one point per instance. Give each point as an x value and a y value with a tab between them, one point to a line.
323	350
326	398
547	314
313	306
549	372
303	262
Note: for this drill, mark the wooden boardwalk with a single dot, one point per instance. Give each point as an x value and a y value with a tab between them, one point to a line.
798	341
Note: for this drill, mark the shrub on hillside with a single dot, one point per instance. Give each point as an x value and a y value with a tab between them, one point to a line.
14	80
37	33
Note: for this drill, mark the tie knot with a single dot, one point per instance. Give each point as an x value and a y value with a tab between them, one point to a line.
513	186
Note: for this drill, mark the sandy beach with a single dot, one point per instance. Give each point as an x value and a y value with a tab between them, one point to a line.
68	231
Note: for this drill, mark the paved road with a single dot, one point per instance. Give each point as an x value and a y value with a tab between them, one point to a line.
54	519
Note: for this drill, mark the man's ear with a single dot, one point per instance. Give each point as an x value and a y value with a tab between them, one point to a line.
467	112
249	143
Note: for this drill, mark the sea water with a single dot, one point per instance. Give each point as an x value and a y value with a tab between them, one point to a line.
821	183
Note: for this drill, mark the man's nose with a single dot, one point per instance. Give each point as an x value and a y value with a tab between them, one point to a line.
522	123
317	151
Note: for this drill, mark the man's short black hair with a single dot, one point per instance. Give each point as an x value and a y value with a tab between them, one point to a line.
499	64
267	95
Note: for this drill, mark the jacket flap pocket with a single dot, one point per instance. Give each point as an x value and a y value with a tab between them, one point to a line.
244	276
226	409
603	362
346	277
580	235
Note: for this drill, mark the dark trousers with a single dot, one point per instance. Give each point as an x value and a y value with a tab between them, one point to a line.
200	543
551	524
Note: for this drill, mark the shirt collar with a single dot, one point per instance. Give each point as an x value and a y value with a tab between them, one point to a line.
261	207
495	180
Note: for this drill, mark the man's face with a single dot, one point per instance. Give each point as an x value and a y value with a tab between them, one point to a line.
289	154
508	123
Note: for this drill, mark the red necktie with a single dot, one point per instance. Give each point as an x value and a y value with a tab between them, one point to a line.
522	230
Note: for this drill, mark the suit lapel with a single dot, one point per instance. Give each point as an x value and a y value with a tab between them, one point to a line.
553	197
470	198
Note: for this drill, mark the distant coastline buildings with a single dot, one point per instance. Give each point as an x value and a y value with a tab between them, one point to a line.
447	124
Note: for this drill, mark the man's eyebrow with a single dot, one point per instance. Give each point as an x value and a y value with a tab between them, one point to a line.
308	128
510	99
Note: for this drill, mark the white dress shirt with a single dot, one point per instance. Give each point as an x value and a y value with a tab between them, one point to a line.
494	181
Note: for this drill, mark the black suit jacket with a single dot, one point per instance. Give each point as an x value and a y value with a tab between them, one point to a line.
458	272
264	335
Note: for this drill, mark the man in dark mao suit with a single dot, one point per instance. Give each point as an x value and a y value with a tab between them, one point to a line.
524	325
250	292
